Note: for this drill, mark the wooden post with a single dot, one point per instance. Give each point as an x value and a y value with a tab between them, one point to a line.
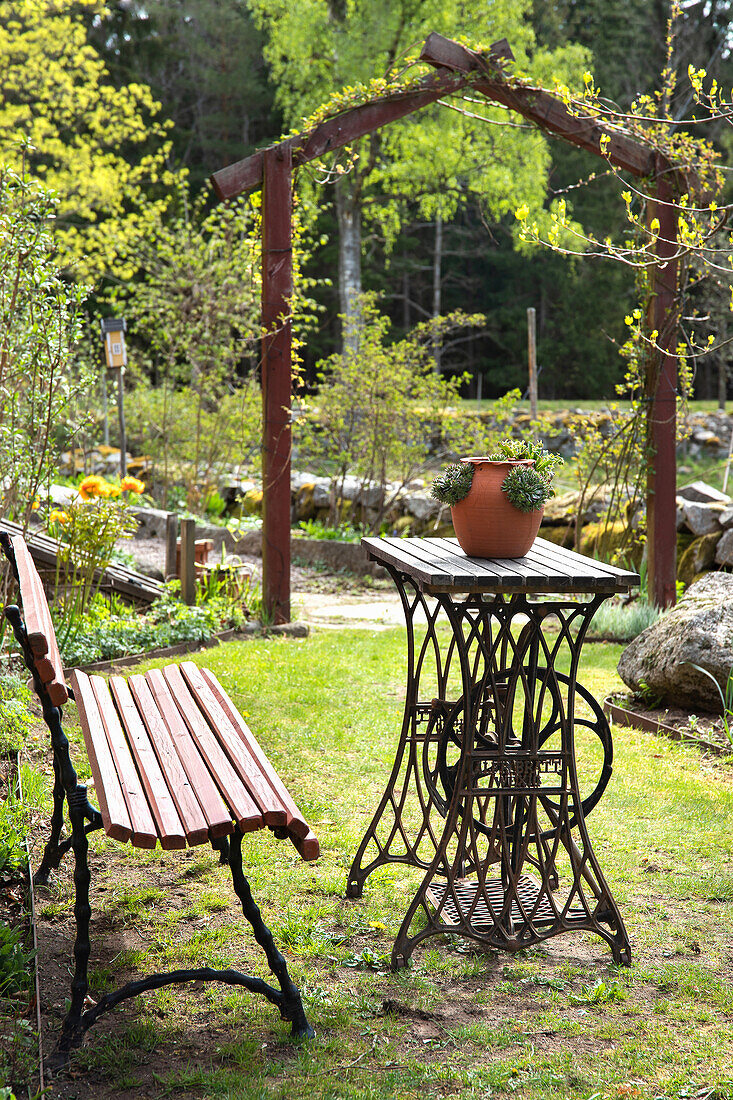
188	560
532	350
123	429
661	393
171	539
277	292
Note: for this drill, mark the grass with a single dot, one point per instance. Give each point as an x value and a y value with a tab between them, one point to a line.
558	1020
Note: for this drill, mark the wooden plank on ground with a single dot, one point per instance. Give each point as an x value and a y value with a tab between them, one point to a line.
195	825
215	811
241	804
144	832
170	829
112	805
297	825
250	768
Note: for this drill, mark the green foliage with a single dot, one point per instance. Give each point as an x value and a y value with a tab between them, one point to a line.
622	622
600	993
546	464
100	148
14	960
315	529
40	325
204	60
376	406
191	436
88	529
454	483
726	700
526	489
103	633
14	824
15	718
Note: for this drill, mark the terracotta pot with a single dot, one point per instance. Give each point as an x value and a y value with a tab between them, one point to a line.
486	523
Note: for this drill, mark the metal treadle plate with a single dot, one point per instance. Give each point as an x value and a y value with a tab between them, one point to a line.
528	889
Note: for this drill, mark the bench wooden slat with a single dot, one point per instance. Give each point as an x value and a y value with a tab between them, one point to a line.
168	823
241	805
297	826
111	800
216	813
195	825
144	832
39	625
250	768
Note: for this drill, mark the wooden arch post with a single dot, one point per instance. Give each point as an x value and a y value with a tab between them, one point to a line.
277	294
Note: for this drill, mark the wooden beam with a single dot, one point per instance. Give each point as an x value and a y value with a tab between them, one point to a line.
540	107
277	294
353	124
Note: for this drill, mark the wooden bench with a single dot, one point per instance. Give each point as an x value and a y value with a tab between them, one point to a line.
173	763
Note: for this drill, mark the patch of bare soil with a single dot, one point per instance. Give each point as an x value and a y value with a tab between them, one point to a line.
704	730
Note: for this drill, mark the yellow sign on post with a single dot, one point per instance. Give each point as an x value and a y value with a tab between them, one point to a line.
113	334
115	352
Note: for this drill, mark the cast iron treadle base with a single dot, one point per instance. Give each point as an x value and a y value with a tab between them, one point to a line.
481	919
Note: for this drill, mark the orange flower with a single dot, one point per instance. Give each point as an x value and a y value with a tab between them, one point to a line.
91	487
58	516
132	485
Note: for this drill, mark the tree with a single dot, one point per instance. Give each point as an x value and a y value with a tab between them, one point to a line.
102	149
196	309
436	156
377	404
40	324
203	61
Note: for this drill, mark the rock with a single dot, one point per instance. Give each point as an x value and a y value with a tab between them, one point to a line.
151	522
702	518
701	491
724	549
726	516
62	495
699	556
291	630
680	513
420	505
698	631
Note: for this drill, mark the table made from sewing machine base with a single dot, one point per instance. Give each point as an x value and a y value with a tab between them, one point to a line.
486	797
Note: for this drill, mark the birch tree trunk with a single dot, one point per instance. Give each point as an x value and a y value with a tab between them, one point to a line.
348	212
437	286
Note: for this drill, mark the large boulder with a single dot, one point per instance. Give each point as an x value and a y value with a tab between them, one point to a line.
698	631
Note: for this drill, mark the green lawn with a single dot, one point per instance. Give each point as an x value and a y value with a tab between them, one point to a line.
558	1020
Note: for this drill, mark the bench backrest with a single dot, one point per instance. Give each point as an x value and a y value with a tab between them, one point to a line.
38	624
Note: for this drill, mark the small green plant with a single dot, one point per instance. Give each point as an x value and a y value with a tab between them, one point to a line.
599	994
726	698
315	529
14	960
526	489
454	483
532	450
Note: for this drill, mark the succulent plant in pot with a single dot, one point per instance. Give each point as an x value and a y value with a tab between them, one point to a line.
497	500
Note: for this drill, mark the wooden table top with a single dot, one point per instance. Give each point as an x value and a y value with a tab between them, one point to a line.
439	565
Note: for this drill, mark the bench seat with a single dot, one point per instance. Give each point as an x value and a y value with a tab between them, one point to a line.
174	762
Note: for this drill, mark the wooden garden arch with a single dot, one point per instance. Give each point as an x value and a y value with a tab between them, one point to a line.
272	170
